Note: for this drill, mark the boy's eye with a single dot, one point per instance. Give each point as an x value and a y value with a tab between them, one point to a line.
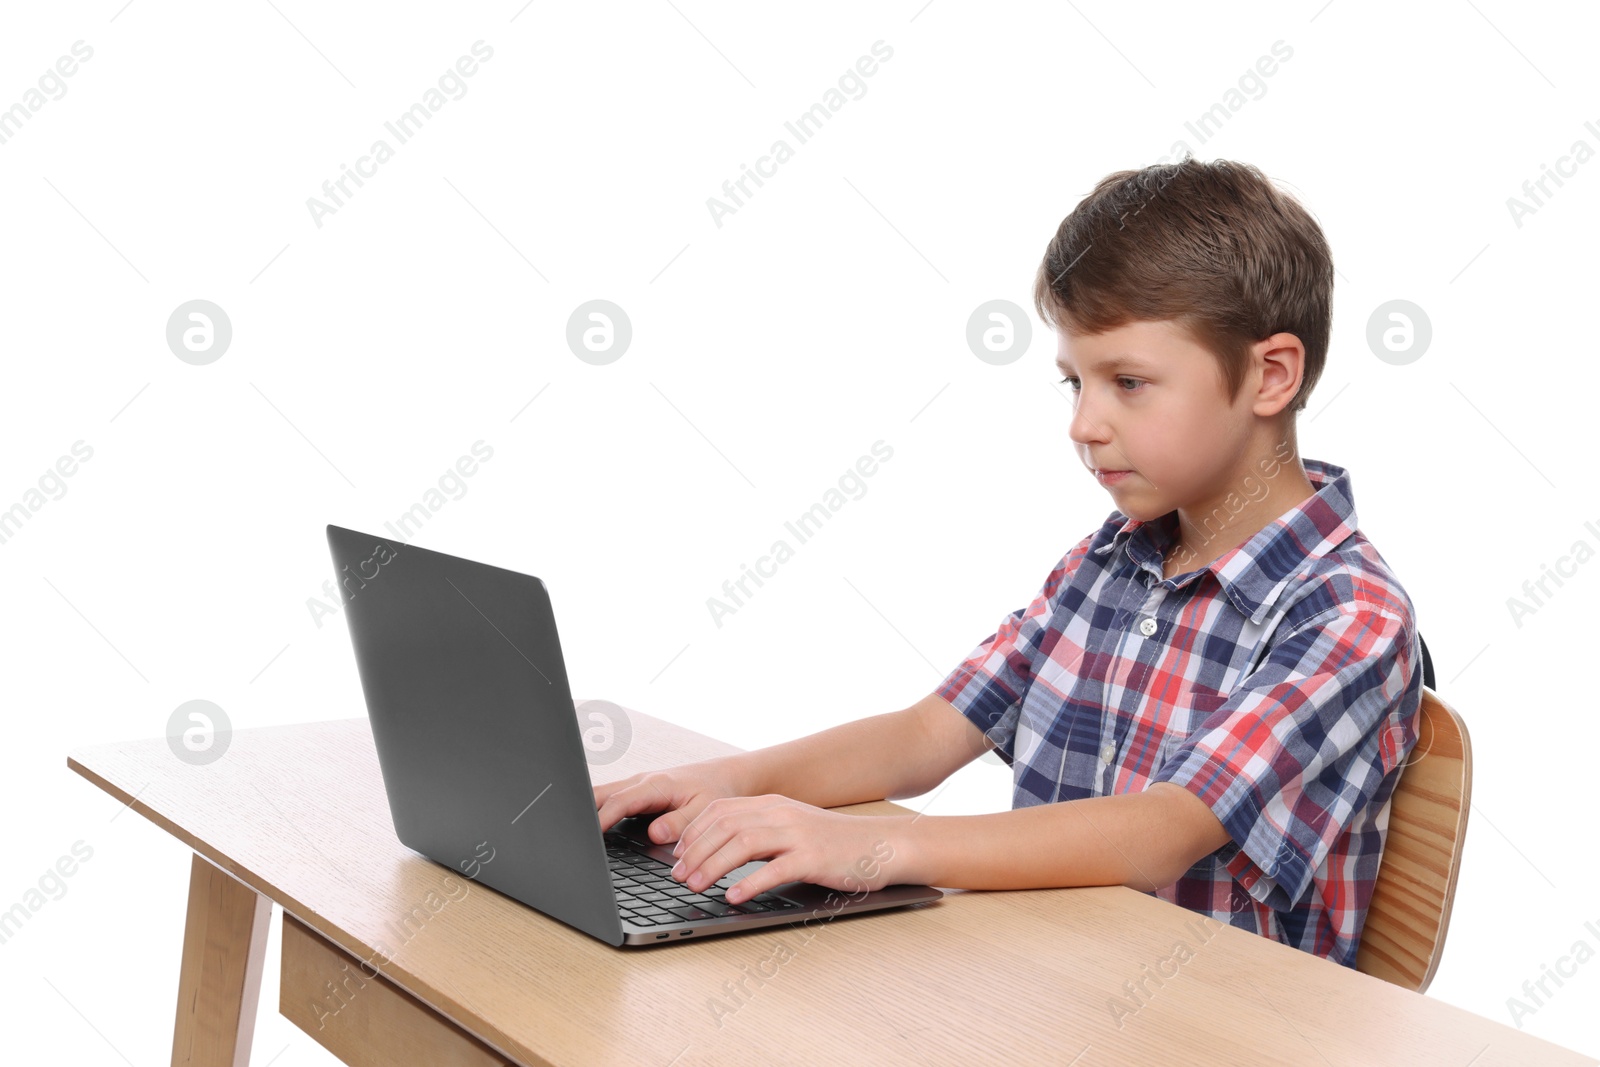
1120	380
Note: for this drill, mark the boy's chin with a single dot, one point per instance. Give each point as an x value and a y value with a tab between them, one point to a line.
1143	513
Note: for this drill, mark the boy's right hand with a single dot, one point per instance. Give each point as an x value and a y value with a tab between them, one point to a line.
679	793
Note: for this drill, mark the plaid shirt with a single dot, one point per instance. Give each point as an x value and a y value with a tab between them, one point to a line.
1280	684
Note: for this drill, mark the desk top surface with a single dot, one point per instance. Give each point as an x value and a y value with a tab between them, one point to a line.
299	813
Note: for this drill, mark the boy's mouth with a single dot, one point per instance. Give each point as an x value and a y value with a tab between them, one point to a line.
1109	477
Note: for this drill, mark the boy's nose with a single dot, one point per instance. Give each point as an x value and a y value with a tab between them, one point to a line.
1086	427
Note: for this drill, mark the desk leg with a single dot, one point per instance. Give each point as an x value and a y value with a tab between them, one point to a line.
219	980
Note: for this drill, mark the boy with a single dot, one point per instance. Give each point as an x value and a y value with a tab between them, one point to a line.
1212	695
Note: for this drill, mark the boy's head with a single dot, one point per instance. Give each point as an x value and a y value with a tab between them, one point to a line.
1218	289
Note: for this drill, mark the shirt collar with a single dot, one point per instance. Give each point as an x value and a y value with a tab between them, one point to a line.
1254	573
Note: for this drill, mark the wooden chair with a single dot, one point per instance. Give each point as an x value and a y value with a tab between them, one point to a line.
1410	910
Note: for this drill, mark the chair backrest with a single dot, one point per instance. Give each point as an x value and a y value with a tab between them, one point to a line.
1410	910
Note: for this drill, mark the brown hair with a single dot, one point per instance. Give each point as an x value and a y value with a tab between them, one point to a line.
1214	246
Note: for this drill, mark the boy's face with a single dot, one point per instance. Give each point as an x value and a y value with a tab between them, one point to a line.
1149	400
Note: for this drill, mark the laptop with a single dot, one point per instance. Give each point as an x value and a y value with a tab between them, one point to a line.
484	764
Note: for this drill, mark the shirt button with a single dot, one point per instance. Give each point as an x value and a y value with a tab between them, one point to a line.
1147	626
1107	753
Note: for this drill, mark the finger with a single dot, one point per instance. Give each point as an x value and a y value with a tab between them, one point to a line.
610	813
669	827
731	840
707	832
601	794
757	842
630	800
770	875
605	790
695	825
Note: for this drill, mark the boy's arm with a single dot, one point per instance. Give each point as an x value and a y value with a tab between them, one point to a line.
1319	727
1324	723
898	754
1144	840
882	757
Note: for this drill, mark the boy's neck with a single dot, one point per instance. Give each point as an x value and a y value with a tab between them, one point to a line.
1210	528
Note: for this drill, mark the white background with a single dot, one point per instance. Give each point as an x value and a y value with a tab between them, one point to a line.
768	354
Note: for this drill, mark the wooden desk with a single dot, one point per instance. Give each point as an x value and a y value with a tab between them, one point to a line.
459	974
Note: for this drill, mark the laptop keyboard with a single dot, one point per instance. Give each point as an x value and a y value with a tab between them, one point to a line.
648	895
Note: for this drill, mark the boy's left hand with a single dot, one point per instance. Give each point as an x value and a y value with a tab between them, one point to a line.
800	842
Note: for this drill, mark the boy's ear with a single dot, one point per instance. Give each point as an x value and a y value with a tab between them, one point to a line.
1281	361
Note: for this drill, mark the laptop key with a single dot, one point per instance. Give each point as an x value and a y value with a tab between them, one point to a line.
691	914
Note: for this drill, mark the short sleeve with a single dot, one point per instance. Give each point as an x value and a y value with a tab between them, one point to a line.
1305	747
989	684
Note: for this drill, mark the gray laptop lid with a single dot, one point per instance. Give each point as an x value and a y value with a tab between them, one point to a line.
473	721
